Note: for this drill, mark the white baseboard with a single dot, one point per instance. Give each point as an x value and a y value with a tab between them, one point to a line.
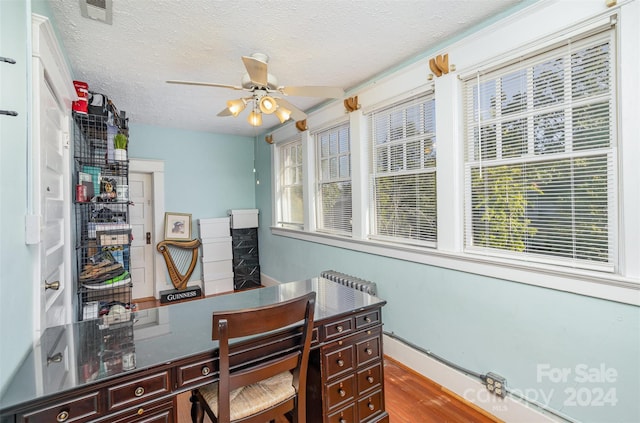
469	389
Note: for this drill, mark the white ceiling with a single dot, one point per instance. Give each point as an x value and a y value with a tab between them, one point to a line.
310	42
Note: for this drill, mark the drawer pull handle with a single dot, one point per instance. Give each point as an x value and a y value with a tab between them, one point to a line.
369	351
370	379
342	392
205	371
367	319
62	416
339	328
139	391
140	411
340	363
371	406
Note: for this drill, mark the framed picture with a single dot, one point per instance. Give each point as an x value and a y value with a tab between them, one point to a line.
177	226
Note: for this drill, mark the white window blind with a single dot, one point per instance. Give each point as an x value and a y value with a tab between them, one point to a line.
334	180
403	171
291	204
540	156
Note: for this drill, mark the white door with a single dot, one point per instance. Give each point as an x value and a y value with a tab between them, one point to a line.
141	219
53	206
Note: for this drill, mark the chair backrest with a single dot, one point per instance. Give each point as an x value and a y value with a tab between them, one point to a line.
296	315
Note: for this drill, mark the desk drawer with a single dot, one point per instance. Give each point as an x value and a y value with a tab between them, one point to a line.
197	371
340	392
138	390
367	319
339	328
158	412
369	378
370	406
346	415
339	361
368	350
79	410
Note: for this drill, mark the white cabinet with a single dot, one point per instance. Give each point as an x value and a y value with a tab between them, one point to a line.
216	255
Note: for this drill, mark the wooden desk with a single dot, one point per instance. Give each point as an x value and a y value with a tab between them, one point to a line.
75	372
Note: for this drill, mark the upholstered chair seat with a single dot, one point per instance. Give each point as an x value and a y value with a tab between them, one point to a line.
251	399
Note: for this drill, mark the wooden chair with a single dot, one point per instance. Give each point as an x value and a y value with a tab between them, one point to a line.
267	387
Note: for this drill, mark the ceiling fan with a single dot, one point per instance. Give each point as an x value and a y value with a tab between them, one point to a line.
261	85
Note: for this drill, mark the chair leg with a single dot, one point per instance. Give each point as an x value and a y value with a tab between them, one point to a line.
197	414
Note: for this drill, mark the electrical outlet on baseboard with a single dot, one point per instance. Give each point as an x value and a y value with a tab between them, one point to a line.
496	384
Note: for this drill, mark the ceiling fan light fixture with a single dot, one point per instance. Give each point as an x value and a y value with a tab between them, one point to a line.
283	114
267	104
236	106
255	118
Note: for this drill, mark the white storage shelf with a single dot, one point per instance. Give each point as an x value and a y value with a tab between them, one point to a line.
214	228
217	255
213	270
245	218
214	249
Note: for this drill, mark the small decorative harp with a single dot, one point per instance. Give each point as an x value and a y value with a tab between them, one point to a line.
181	258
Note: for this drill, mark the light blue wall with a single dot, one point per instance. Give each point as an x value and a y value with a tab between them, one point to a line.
205	174
16	259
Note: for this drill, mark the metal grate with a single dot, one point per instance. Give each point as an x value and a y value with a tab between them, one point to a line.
350	281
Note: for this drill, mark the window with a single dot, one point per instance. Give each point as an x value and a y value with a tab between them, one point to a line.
290	182
403	171
334	180
533	178
540	160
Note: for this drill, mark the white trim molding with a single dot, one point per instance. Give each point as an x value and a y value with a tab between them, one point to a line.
156	169
589	283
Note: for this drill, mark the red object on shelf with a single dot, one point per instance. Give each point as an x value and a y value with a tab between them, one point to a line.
82	104
81	193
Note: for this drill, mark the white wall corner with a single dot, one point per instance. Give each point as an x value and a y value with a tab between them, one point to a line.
267	280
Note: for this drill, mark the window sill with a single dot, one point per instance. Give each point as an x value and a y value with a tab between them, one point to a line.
590	283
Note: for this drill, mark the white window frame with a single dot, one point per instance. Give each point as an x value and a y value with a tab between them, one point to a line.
320	180
499	43
475	161
280	182
402	142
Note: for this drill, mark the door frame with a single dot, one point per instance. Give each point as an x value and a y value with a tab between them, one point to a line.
47	61
156	169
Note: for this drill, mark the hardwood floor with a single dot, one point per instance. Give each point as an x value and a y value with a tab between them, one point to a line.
409	398
412	398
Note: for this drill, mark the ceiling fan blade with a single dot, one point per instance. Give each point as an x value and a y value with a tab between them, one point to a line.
204	84
225	112
257	70
311	91
296	114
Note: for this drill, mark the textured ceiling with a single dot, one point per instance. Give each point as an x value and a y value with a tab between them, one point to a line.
310	42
